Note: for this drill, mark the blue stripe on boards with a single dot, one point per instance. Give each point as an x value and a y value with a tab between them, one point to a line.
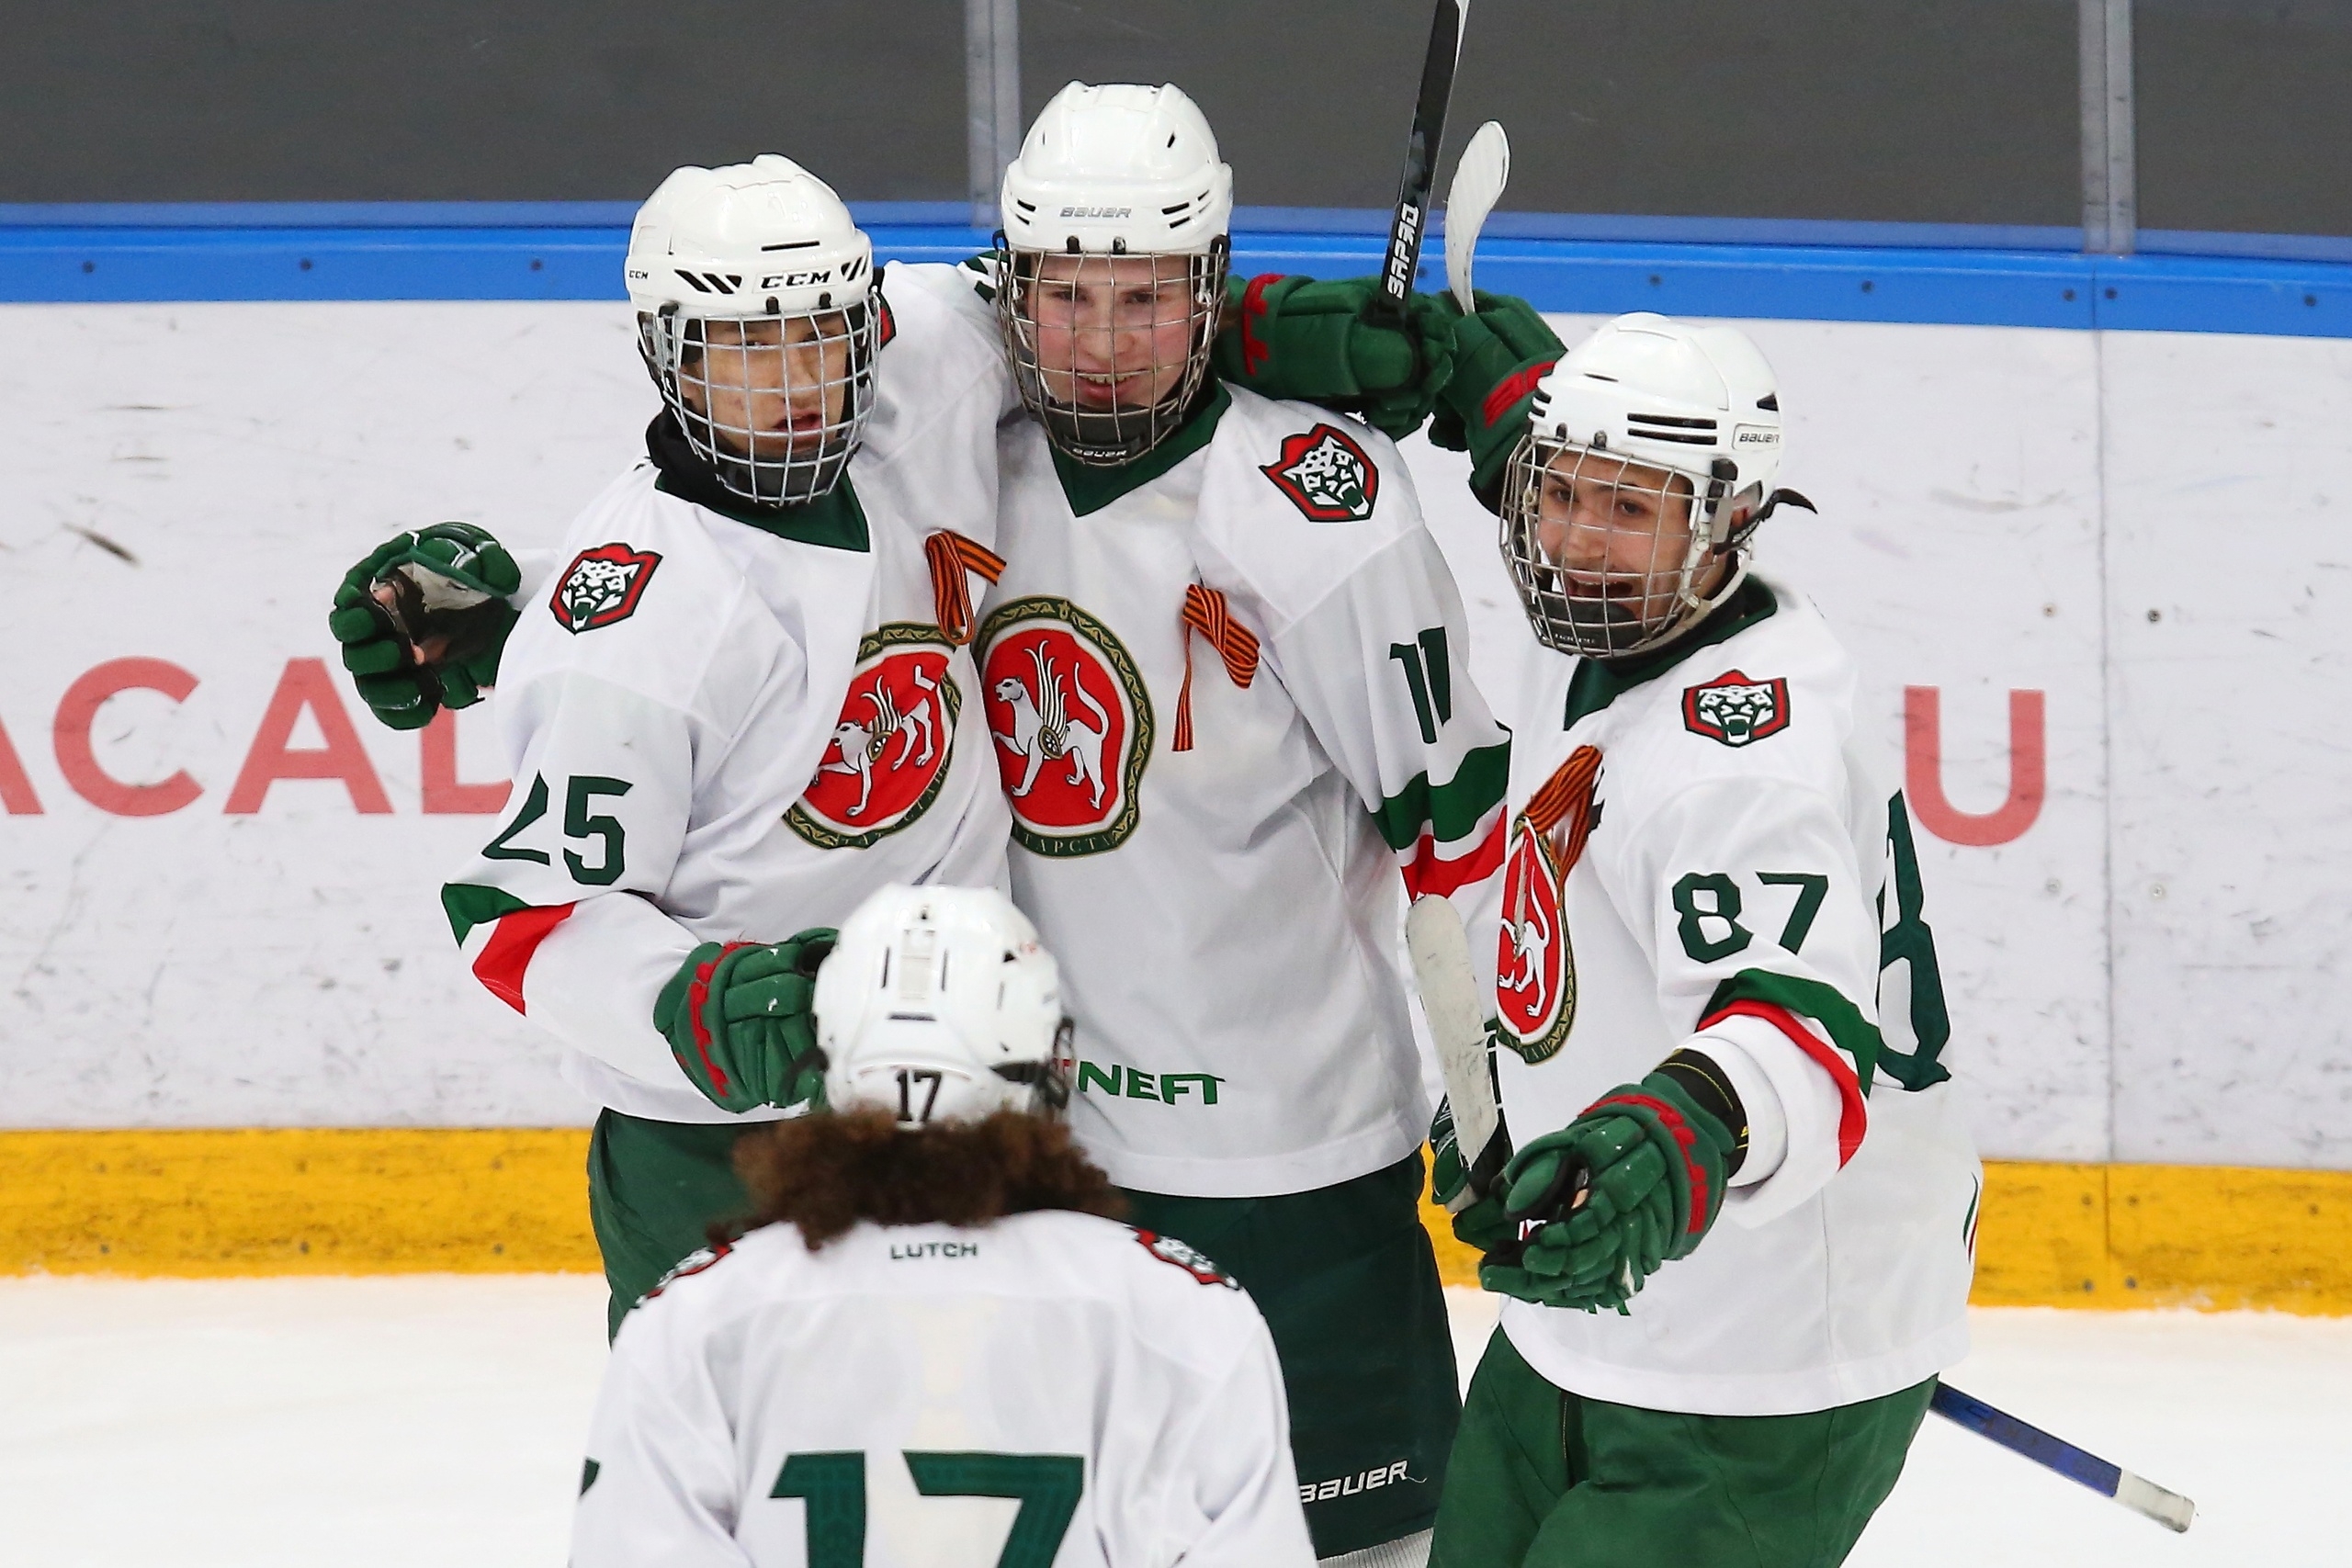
572	251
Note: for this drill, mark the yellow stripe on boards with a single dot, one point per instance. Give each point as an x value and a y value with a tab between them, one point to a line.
382	1201
335	1200
2116	1236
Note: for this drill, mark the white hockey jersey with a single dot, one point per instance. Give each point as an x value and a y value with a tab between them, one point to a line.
1228	687
730	724
1702	850
1048	1389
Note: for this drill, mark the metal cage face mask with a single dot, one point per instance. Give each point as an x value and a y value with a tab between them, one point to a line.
776	405
1604	550
1109	351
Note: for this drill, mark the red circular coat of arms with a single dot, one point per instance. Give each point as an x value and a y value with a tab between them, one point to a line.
890	747
1535	971
1071	725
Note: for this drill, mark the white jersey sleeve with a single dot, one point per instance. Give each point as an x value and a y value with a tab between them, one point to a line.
1380	669
664	1486
1764	929
566	914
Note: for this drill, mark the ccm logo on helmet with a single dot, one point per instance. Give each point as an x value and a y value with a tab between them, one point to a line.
843	274
1098	212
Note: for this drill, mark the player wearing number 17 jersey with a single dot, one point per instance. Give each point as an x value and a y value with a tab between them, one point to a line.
936	1347
1737	1230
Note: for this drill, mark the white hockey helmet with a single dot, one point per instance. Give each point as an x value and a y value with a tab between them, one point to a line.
1650	454
758	317
1121	182
938	1005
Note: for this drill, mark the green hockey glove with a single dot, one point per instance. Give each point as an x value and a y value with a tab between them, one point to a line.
424	619
1322	342
1499	353
739	1018
1633	1183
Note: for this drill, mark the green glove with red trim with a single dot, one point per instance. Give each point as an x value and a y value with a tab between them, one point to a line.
1499	353
1629	1186
1326	341
740	1018
423	620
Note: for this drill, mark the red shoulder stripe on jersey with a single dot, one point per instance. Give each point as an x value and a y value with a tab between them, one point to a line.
951	557
1430	872
514	941
1512	387
1854	1114
1685	1136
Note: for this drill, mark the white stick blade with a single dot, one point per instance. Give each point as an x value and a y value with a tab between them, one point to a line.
1478	182
1440	950
2169	1510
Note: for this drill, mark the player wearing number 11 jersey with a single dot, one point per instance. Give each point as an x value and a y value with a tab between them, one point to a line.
1737	1229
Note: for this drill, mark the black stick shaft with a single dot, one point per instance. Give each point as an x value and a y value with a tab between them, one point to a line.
1407	227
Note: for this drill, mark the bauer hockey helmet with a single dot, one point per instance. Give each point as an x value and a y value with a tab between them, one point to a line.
757	313
938	1004
1111	267
1650	456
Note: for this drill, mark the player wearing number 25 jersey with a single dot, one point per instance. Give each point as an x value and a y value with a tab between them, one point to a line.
1737	1229
935	1347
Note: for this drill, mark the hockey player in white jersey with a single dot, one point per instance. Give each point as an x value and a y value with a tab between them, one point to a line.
934	1344
791	514
747	699
1226	677
1737	1230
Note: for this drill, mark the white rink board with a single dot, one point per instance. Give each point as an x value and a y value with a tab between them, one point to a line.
2001	507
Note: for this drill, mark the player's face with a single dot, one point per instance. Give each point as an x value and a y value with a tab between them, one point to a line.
771	387
1113	332
1617	531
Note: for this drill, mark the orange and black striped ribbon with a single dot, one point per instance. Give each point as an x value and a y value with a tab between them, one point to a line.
1205	612
1567	800
951	556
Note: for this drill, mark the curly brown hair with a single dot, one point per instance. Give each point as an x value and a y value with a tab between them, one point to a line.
825	1173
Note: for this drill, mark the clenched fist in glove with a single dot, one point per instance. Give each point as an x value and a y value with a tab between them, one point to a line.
740	1020
423	620
1632	1184
1499	353
1322	342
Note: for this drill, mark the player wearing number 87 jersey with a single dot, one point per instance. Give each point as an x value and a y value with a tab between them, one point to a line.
1737	1230
936	1345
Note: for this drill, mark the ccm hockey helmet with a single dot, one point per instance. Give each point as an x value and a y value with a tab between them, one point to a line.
1111	267
938	1005
1650	457
757	316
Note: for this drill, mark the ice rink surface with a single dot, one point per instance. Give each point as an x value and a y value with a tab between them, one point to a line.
437	1419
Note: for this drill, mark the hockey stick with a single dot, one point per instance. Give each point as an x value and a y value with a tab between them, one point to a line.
1478	181
1406	227
1449	988
2169	1510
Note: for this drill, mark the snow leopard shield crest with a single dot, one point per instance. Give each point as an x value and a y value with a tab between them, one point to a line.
602	586
1735	710
1071	724
1325	475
